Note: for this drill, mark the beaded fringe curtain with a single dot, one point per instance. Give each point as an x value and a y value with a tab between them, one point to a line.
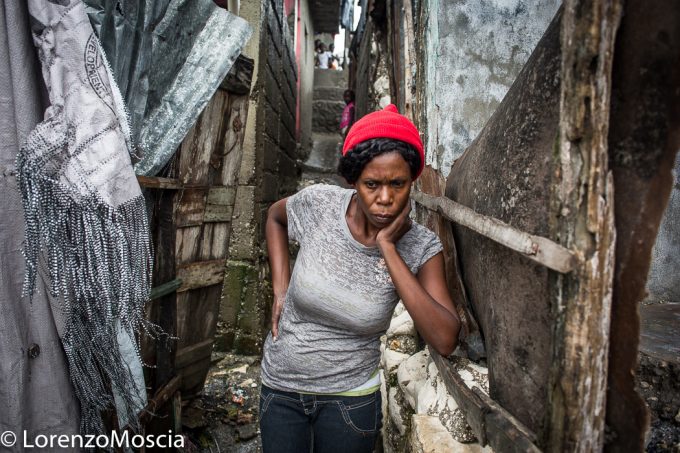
85	216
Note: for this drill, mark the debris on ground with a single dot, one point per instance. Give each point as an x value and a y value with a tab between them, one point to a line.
224	418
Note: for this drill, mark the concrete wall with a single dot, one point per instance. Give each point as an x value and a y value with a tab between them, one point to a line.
474	51
306	76
268	172
664	274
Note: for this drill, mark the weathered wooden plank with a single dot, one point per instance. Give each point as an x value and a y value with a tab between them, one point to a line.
504	432
220	204
165	306
215	244
156	182
491	423
536	248
470	404
200	274
197	148
191	354
230	151
239	76
159	399
190	207
584	200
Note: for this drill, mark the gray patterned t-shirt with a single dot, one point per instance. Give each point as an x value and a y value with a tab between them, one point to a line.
340	299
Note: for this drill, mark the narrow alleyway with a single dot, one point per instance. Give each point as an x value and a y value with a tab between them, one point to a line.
224	417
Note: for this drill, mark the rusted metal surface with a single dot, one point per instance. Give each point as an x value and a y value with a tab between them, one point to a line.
470	337
644	137
538	249
506	173
583	207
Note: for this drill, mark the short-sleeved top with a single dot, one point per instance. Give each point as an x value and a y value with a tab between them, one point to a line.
340	299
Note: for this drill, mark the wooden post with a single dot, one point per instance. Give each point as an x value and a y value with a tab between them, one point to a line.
582	309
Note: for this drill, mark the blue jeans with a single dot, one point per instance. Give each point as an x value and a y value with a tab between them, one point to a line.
297	423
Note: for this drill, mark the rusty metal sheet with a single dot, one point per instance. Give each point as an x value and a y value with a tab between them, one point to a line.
643	141
506	173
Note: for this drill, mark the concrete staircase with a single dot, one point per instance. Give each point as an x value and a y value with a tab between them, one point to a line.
327	106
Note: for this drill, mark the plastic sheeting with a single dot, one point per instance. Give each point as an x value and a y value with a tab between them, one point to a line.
168	57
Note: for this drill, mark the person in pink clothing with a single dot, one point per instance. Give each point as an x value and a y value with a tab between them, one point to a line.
348	112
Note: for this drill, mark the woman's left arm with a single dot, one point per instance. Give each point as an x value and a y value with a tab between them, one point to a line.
425	296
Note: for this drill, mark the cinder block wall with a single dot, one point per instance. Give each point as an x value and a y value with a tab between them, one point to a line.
268	172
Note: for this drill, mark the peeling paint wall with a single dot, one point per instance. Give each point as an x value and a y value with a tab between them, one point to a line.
475	49
664	274
305	58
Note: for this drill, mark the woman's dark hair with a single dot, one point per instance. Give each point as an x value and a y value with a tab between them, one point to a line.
352	164
350	93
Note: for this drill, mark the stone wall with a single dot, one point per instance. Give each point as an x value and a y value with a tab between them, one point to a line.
268	172
419	415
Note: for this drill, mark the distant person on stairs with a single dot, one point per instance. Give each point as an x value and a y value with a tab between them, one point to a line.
347	113
323	56
360	253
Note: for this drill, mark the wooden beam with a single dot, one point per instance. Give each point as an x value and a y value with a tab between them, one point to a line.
155	182
536	248
159	399
491	423
194	353
584	203
220	204
165	288
200	274
240	75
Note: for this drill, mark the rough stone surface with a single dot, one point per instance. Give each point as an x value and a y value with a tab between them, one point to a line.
325	152
395	408
392	359
428	435
326	93
327	116
412	374
401	325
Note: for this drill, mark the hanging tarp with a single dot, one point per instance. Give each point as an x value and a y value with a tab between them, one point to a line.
125	29
168	57
194	46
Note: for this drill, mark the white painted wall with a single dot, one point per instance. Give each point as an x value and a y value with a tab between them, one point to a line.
475	49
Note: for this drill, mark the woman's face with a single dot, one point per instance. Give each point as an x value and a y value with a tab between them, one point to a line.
383	188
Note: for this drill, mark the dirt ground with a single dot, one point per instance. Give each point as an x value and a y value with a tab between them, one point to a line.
224	417
658	382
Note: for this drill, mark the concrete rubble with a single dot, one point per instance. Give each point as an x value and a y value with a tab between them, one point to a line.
419	413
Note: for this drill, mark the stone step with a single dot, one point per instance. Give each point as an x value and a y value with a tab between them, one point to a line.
330	78
329	94
325	153
326	116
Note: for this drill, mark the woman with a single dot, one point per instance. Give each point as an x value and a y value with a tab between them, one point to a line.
359	254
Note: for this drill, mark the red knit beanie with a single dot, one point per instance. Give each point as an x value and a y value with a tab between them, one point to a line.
386	123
